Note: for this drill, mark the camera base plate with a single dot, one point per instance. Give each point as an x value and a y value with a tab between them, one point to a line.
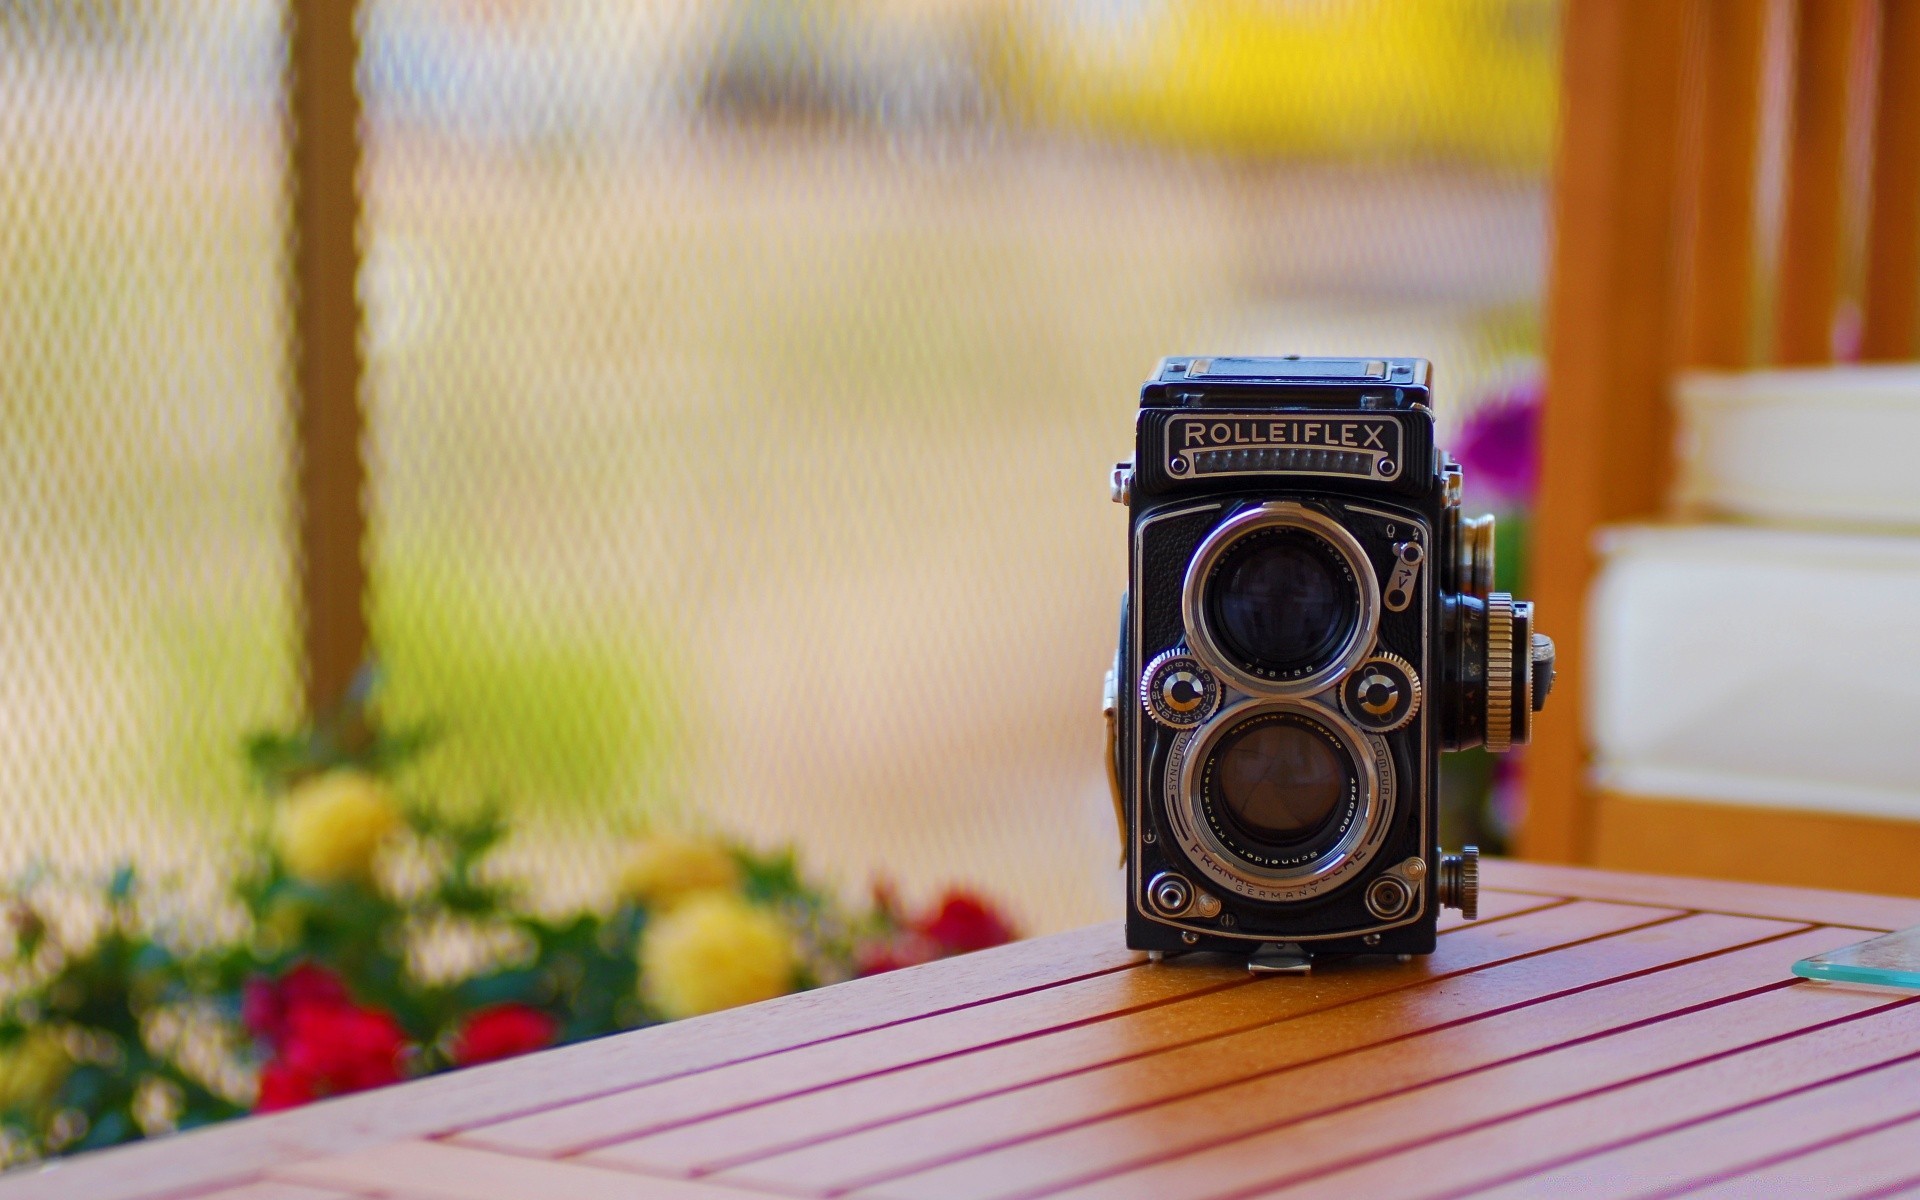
1280	958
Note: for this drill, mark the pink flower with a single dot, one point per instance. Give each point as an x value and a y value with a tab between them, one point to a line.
1499	445
502	1031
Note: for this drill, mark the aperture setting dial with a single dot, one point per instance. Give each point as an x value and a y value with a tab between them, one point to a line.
1177	691
1382	694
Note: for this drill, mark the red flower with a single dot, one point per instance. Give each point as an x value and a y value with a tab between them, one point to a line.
906	950
964	922
283	1087
331	1047
265	1003
502	1031
343	1047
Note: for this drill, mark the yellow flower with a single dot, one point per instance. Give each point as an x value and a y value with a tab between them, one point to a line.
712	952
330	826
32	1070
669	867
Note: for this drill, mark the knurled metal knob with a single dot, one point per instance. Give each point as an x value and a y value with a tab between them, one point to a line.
1460	881
1541	675
1382	694
1177	691
1501	673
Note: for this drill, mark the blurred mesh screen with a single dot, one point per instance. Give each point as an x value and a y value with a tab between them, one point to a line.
743	381
146	600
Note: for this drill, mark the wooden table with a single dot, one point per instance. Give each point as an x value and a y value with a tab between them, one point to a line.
1593	1033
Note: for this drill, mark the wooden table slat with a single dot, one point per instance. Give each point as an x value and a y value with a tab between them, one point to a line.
575	1127
642	1110
1770	1110
1558	1146
953	1152
1441	1079
1598	1033
1358	1134
807	1117
1880	1160
268	1189
417	1170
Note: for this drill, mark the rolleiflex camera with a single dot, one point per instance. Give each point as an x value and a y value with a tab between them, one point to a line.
1311	620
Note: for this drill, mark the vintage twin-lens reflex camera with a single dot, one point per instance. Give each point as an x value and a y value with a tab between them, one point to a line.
1311	621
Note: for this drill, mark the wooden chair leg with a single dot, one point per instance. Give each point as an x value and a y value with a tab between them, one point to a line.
1826	38
1611	344
1892	299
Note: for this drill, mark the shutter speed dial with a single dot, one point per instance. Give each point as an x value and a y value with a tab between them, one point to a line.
1177	691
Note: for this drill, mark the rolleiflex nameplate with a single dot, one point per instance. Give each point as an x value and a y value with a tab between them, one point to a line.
1891	960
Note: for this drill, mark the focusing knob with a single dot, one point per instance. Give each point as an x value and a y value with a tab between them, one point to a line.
1519	672
1382	694
1501	673
1460	881
1177	691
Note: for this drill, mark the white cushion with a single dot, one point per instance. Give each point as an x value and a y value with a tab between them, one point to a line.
1826	445
1758	666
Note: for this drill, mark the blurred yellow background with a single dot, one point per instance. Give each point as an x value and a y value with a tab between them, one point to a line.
1470	80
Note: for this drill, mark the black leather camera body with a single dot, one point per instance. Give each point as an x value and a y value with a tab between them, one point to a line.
1310	622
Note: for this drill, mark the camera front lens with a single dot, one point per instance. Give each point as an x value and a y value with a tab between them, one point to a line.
1283	602
1279	788
1280	782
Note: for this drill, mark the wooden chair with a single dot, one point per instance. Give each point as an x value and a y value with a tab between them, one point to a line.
1656	211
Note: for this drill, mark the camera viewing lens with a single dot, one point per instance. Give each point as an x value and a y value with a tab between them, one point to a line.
1283	602
1280	600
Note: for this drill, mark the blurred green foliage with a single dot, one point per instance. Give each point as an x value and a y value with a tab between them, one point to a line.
569	715
124	1015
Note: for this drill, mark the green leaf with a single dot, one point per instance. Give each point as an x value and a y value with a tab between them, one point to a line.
524	986
110	1128
152	958
120	887
275	758
87	1087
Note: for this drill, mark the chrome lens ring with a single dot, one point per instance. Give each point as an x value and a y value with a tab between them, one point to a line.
1285	514
1212	857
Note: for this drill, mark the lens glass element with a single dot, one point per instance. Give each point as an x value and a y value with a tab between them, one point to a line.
1282	602
1279	789
1280	782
